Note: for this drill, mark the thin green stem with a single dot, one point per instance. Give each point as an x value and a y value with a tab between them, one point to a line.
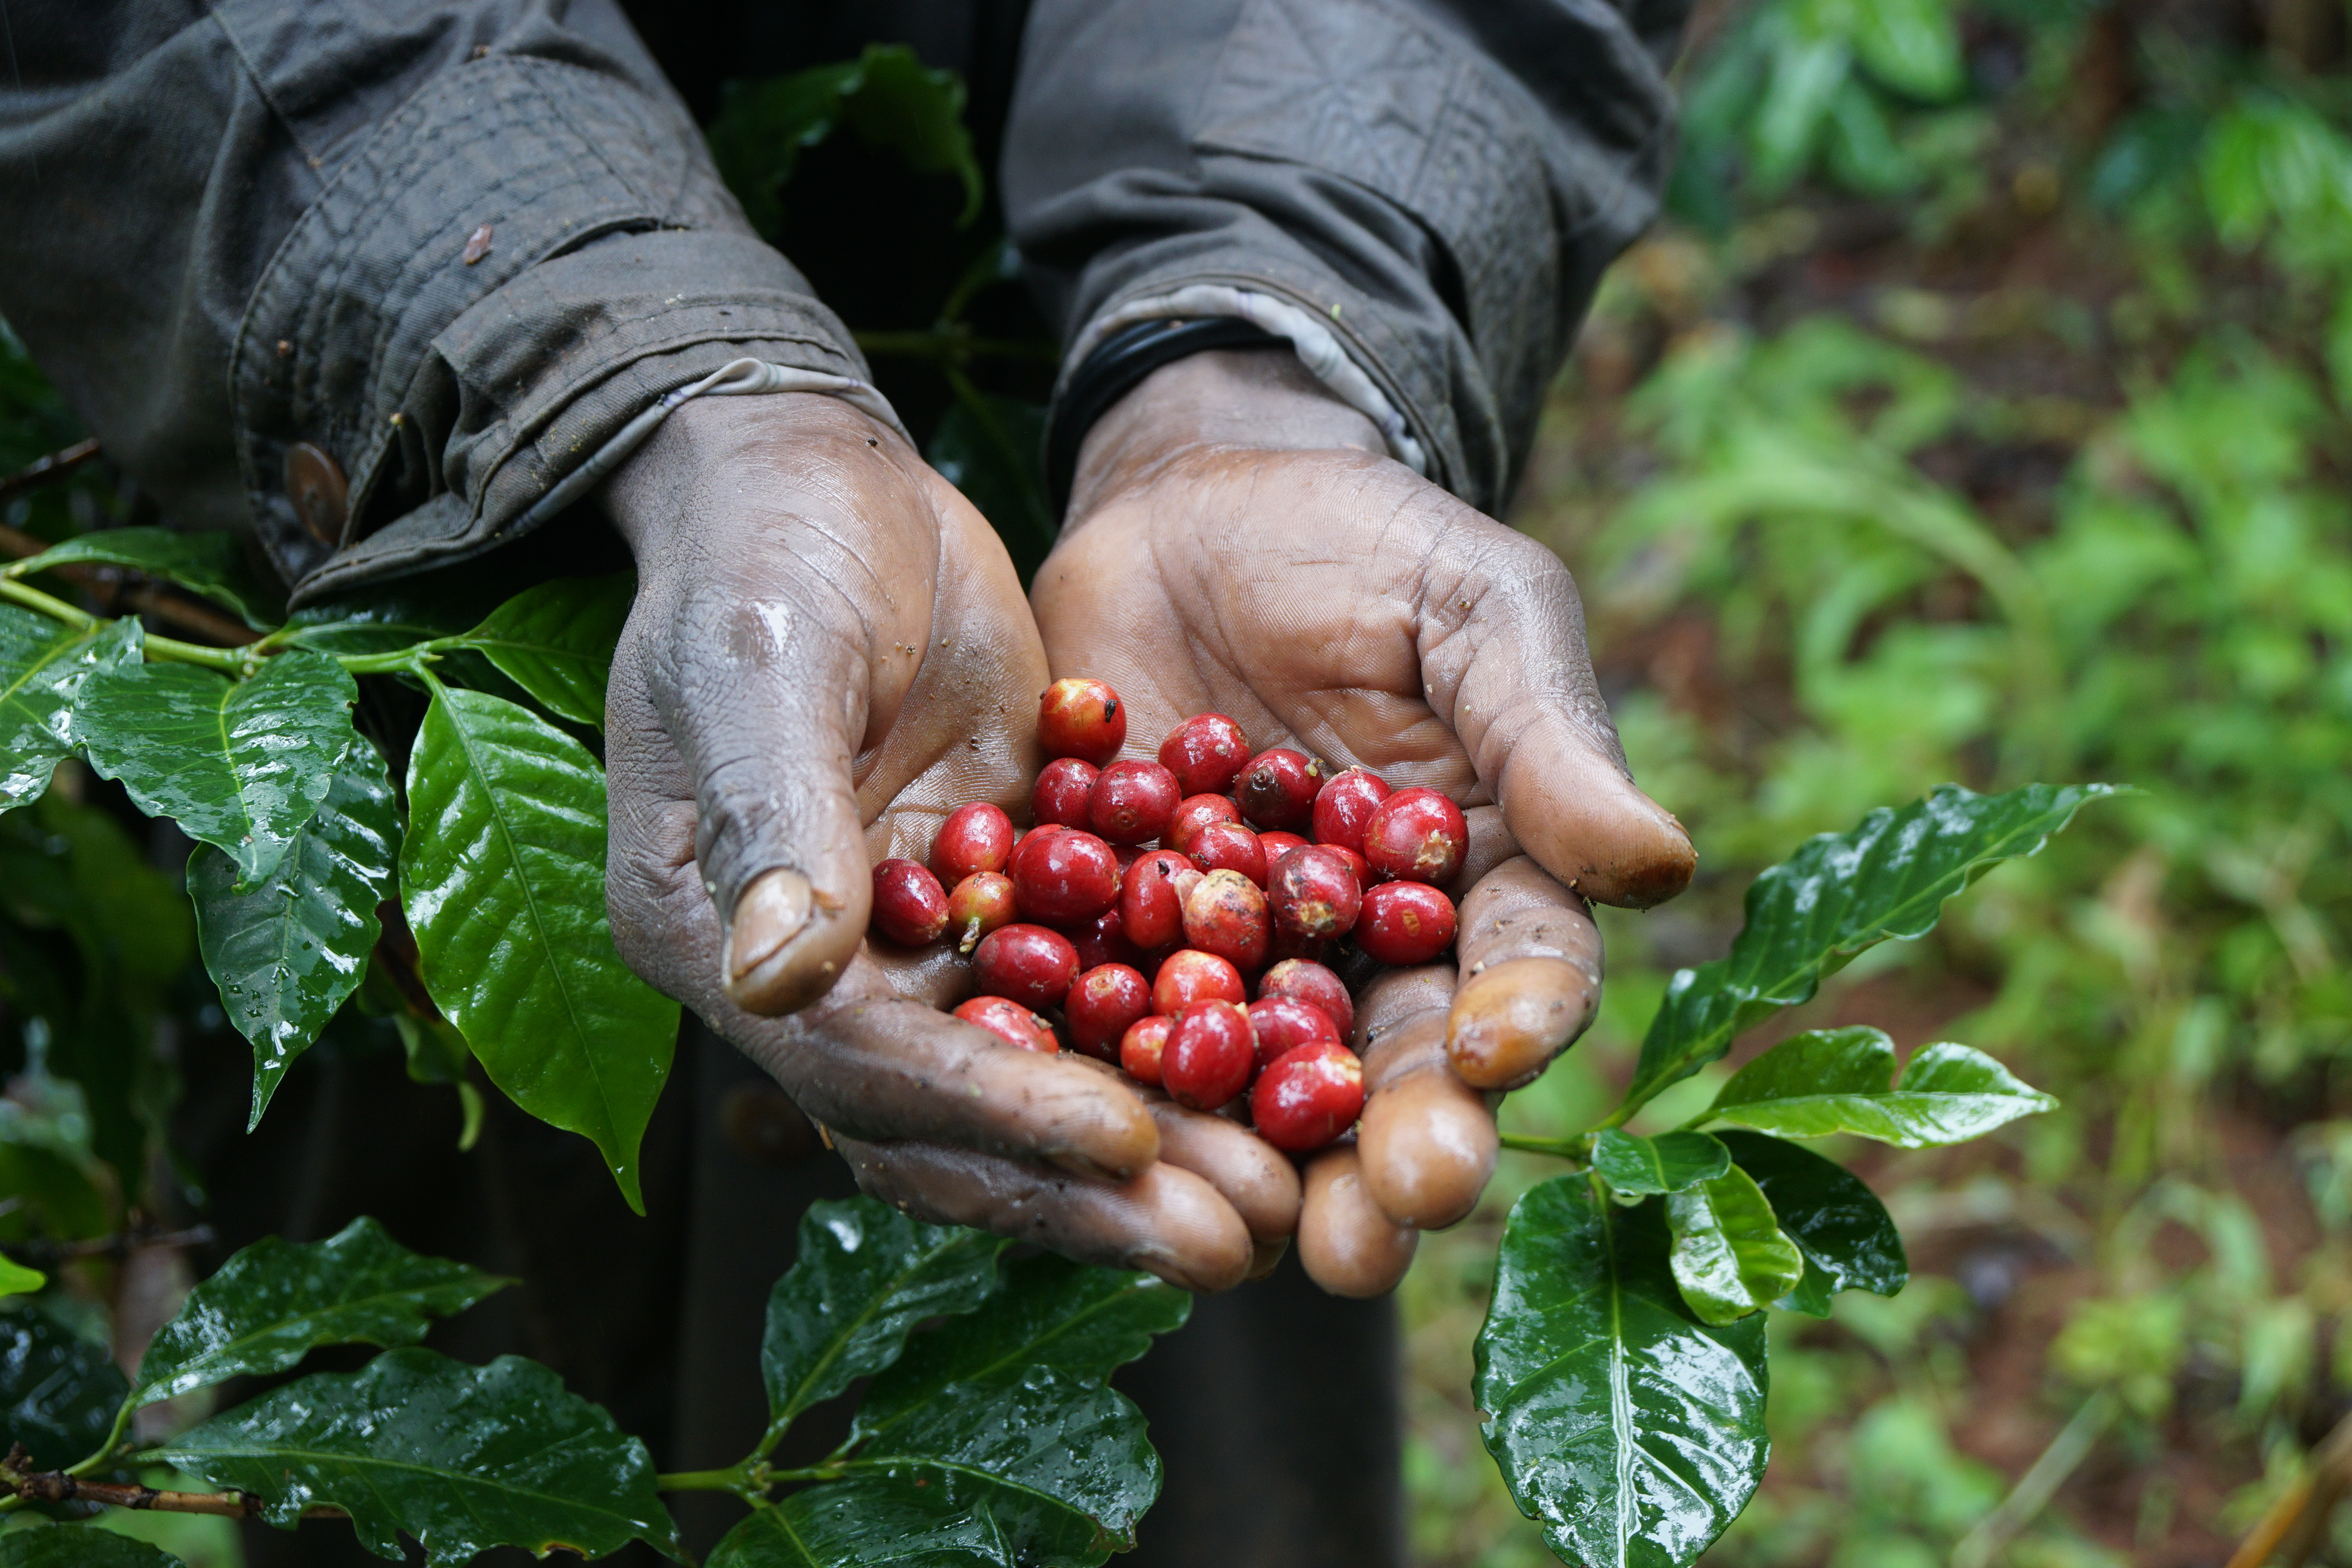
55	609
750	1479
238	662
409	660
1569	1149
105	1450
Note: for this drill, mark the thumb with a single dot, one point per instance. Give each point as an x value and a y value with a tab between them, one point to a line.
1506	664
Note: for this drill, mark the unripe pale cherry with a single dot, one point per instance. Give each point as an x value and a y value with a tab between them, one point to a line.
980	904
977	837
1133	802
1209	1055
1206	753
1190	976
1229	847
1195	811
1141	1048
1306	1098
1226	915
1314	892
1344	803
1081	717
1284	1023
1064	792
909	906
1103	1002
1277	788
1152	898
1417	835
1025	963
1405	923
1315	984
1010	1022
1064	878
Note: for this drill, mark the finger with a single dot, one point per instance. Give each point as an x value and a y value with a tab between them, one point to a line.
1166	1220
1345	1243
1427	1138
1505	663
1530	976
1261	1184
1490	845
1267	1256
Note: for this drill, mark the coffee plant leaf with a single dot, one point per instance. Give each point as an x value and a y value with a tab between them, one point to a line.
58	1392
1730	1255
462	1458
555	641
242	764
928	1517
209	565
863	1276
1848	1238
1668	1163
80	1546
15	1279
275	1301
1838	895
1631	1431
43	666
288	951
502	879
1842	1081
1069	1317
386	620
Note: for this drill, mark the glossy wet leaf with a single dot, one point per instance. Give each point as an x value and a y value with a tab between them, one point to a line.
1729	1255
240	764
1666	1164
1848	1238
1632	1432
555	641
502	878
387	620
288	951
275	1301
463	1458
1839	895
209	565
926	1517
863	1274
43	666
1842	1081
15	1279
80	1546
58	1392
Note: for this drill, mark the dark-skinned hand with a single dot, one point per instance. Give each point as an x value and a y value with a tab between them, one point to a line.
1239	543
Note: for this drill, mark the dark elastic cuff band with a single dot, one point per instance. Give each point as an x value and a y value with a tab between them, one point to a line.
1112	371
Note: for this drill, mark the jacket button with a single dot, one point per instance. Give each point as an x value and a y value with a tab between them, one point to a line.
314	483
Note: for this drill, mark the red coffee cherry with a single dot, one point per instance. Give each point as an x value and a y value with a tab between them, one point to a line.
1025	963
1064	877
1344	803
1142	1046
1103	939
1416	836
1206	753
1276	844
1225	914
1152	898
1405	923
1063	793
1081	717
1358	866
1010	1022
1307	1098
1314	892
1188	976
1133	802
1229	847
980	904
1103	1004
909	906
1315	984
1195	811
1209	1055
1279	787
977	837
1284	1023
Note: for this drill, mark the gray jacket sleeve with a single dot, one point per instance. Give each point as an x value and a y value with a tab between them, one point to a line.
1419	193
454	247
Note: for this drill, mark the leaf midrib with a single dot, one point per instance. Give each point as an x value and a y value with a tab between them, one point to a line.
840	1343
50	655
455	1479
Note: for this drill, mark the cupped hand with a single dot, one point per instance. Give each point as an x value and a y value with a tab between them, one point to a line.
828	652
1237	544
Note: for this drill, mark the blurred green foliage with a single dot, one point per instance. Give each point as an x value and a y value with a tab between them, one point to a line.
1977	414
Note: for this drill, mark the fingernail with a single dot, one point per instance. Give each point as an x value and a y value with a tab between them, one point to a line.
770	914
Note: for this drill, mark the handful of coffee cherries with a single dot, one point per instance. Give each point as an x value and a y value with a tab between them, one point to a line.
1134	919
